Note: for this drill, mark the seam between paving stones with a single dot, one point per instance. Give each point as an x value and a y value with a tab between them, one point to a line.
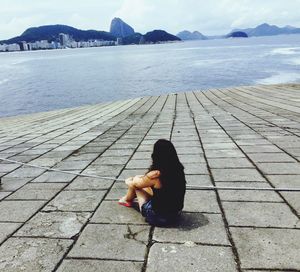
261	173
229	235
23	223
84	225
253	201
260	227
273	269
196	243
102	259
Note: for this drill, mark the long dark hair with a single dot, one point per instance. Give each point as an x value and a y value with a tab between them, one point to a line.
165	159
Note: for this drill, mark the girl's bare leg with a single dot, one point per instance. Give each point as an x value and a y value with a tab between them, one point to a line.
130	195
143	195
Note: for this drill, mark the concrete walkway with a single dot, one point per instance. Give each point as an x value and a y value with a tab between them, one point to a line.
231	137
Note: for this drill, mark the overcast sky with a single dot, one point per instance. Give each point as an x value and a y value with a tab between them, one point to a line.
207	16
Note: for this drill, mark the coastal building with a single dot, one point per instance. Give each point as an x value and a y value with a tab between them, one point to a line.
13	47
64	39
2	47
119	41
23	46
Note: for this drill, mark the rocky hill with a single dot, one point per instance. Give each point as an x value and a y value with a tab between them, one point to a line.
237	34
120	29
187	35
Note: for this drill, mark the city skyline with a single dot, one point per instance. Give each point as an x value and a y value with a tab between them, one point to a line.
211	18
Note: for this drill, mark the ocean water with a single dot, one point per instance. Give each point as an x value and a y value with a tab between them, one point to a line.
47	80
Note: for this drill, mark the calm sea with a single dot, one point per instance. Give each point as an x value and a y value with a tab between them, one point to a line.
48	80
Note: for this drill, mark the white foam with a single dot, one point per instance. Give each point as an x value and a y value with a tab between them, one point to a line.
286	51
3	81
281	77
295	61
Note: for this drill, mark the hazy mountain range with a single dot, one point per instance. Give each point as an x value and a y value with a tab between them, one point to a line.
120	29
261	30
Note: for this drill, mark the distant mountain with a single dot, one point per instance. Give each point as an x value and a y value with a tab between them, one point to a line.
187	35
120	29
156	36
51	33
269	30
237	34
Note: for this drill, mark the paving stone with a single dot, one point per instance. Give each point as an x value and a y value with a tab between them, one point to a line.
99	266
236	195
182	258
270	157
201	201
83	183
25	172
288	181
231	175
117	152
6	229
111	212
54	177
72	165
198	180
75	201
195	169
226	153
41	191
114	242
187	151
54	225
219	146
279	168
18	211
194	227
117	191
229	163
4	194
103	170
268	248
261	149
142	155
34	255
293	199
260	215
138	164
112	160
191	158
8	167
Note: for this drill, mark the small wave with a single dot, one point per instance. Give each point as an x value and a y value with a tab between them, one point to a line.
295	61
3	81
282	77
285	51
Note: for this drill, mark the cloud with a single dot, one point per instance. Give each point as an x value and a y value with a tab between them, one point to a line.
209	17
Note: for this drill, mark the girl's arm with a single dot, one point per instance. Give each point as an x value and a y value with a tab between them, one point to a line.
147	180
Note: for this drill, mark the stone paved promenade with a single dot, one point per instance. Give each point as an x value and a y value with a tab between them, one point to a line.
231	137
